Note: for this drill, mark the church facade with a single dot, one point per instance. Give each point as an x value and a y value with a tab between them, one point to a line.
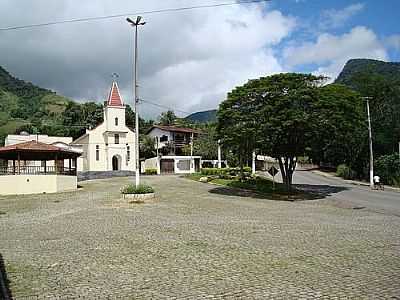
111	145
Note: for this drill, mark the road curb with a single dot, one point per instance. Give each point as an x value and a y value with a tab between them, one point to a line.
353	182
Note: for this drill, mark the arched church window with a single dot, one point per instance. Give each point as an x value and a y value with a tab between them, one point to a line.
116	138
116	121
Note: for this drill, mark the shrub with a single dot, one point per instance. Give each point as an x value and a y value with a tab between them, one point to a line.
345	172
141	189
150	172
387	167
225	171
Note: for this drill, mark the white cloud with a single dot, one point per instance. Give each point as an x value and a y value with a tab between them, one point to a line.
334	18
393	41
188	60
331	51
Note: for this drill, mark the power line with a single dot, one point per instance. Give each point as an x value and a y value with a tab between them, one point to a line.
166	10
164	107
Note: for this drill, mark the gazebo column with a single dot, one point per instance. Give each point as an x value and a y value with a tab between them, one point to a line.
56	164
19	164
76	166
69	164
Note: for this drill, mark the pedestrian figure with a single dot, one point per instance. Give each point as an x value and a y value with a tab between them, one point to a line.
377	182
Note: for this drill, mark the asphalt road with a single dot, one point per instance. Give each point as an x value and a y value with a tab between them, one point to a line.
387	202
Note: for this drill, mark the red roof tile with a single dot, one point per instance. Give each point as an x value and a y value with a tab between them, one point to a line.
114	97
32	146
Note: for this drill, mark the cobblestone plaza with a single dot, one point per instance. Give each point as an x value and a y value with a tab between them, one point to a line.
197	241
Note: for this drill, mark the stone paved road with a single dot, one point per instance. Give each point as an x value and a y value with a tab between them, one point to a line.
198	241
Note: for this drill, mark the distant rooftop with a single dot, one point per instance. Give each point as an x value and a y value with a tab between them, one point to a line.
174	129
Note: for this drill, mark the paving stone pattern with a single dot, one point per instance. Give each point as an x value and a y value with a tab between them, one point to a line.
197	241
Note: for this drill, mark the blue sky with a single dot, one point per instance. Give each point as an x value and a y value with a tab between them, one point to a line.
190	60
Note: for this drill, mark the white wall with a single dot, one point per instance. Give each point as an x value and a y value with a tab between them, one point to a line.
36	184
157	132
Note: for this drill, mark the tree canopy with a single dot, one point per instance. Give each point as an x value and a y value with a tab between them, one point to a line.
287	116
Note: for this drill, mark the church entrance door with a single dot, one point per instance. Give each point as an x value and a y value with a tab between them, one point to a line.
115	163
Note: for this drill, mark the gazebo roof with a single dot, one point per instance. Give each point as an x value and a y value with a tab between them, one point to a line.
34	150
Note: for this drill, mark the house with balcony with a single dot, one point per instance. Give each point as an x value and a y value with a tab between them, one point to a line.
171	143
171	140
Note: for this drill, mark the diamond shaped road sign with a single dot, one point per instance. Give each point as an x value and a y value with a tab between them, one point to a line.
273	171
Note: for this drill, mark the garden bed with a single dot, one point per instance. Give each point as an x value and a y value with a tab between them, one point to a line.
140	194
258	185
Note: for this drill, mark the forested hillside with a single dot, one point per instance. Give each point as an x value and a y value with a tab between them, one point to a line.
203	116
380	82
26	107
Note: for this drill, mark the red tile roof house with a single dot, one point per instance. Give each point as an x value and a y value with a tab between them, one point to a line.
18	177
170	141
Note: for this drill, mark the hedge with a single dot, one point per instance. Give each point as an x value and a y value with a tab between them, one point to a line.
150	172
141	189
224	171
387	167
345	172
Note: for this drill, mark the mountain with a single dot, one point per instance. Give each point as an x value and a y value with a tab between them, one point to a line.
203	116
21	102
387	70
24	106
380	82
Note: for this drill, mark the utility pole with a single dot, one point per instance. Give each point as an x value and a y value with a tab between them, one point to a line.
191	153
219	155
253	163
371	155
136	99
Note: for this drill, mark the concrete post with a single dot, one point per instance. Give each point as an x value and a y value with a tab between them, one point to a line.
219	155
253	163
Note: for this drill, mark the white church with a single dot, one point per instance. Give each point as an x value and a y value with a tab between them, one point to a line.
109	146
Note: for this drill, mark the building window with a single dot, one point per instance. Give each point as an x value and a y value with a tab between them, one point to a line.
164	138
128	154
116	121
97	152
116	138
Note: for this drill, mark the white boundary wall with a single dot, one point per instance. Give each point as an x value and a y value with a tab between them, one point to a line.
36	184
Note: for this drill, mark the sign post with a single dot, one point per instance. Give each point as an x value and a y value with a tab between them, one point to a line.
273	171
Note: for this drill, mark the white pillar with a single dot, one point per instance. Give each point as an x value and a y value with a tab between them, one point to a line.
219	155
253	163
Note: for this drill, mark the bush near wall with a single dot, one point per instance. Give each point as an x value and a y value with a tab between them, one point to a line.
224	171
387	167
345	172
150	172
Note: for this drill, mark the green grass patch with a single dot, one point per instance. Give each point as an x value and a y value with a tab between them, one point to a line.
194	176
141	189
258	185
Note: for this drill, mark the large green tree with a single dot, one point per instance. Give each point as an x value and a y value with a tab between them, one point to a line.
287	116
238	126
167	118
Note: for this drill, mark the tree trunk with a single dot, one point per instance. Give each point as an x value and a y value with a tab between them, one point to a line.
241	165
287	166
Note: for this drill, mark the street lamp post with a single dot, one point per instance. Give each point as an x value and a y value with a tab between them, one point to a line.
371	155
136	99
